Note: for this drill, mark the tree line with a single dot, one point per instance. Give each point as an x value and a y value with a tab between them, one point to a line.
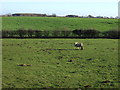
77	33
54	15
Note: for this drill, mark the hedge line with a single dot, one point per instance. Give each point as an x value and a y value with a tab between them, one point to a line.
91	33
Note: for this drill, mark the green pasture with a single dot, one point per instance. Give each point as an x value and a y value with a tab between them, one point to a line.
57	64
58	23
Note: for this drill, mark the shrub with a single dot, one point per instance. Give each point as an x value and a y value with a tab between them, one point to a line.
12	33
31	33
56	33
90	33
46	33
78	32
22	33
5	33
0	34
38	34
112	34
66	33
87	33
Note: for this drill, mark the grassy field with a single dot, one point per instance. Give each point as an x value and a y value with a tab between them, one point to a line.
56	64
58	23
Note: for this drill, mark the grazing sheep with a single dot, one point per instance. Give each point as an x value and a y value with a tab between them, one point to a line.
79	45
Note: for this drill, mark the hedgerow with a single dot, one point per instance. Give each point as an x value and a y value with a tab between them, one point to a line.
90	33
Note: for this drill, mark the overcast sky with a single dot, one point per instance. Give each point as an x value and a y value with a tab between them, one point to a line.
62	7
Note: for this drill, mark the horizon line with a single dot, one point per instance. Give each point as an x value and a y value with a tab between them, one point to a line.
57	14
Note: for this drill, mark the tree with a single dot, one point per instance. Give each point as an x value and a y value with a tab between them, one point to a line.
90	16
53	15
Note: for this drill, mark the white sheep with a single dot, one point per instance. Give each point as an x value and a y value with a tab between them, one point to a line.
79	45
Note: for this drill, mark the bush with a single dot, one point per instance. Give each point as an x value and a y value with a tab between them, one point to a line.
78	32
90	33
87	33
46	33
31	33
12	33
5	33
38	34
112	34
0	34
66	33
22	33
56	33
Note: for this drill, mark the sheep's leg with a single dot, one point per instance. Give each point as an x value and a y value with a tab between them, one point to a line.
82	48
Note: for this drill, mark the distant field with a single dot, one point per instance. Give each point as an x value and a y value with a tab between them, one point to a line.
55	63
57	23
